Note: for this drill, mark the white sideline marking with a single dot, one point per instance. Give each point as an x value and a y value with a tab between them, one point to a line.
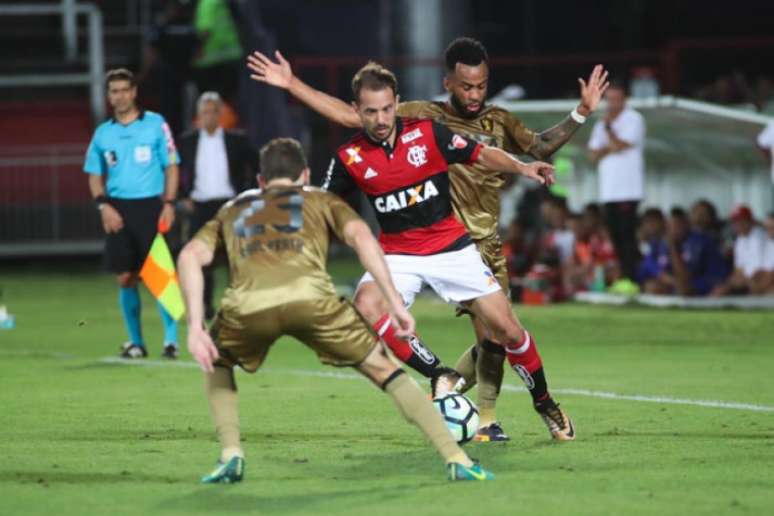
510	388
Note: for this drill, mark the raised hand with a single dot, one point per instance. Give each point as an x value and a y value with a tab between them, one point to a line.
591	92
277	74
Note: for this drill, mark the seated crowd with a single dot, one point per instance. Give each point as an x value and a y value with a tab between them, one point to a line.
683	253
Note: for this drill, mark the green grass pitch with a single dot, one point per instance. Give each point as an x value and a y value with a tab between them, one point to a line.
82	436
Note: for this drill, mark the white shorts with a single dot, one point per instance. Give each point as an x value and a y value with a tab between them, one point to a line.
455	276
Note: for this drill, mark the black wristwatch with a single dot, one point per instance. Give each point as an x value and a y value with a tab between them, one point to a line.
100	201
168	201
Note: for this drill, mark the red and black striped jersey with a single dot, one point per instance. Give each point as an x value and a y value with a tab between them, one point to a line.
407	185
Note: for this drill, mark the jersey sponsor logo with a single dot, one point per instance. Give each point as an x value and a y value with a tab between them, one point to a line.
406	198
370	173
354	155
411	136
458	142
110	158
417	155
487	124
142	154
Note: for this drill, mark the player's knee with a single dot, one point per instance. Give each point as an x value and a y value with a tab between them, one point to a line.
377	366
369	303
509	333
127	279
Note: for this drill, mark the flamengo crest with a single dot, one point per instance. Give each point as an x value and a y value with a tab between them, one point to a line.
417	155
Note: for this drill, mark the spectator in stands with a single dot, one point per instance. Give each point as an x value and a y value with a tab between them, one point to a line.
696	263
169	51
704	219
219	61
749	248
559	238
766	145
216	165
519	256
765	285
555	248
594	265
654	250
617	143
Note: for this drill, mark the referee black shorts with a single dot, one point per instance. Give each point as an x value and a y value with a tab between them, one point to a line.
126	250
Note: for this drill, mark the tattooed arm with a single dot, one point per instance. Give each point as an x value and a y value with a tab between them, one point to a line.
549	141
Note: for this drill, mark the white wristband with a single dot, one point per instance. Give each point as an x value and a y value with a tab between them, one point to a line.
577	116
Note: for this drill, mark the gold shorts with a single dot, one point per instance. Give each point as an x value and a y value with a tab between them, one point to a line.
330	326
491	251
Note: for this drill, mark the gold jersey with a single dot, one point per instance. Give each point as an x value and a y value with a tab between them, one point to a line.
475	191
276	241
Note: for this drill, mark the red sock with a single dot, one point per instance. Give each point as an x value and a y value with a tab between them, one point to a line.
412	352
386	332
524	354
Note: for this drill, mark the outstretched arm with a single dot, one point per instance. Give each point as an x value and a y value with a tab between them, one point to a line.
493	158
280	74
549	141
359	237
194	256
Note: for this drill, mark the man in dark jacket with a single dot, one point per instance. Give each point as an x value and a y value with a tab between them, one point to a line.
216	165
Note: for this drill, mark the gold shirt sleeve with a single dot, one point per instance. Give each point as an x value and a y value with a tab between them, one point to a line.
518	138
210	234
337	214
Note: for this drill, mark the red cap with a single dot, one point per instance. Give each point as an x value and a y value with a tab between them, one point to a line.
741	212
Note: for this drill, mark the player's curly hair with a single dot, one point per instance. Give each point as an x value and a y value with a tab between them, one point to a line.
120	74
467	51
282	158
375	77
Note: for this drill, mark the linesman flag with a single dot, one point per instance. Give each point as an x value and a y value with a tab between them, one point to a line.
158	274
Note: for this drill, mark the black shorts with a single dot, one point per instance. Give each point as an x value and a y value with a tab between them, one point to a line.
126	250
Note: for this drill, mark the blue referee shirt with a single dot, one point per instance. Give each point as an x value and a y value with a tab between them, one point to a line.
133	156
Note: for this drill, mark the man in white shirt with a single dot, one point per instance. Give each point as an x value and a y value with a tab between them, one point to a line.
749	249
766	145
216	165
764	282
617	143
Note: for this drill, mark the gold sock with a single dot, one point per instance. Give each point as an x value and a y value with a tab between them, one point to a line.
224	408
489	370
417	409
466	366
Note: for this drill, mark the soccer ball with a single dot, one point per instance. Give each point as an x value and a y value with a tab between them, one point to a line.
460	415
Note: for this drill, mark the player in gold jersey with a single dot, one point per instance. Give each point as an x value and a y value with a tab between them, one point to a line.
475	191
276	241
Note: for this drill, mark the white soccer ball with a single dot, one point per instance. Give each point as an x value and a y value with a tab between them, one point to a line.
460	415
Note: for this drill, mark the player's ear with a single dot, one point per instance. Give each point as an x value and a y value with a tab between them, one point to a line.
397	99
305	175
355	106
261	181
446	83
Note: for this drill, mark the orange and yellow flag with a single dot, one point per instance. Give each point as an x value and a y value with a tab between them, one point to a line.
158	274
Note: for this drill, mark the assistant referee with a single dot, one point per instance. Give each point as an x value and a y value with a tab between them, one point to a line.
133	177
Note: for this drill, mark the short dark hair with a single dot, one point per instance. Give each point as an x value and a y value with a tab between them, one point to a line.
373	76
120	74
618	84
282	158
678	213
467	51
653	213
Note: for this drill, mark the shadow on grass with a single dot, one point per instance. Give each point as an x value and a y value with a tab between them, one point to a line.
623	434
71	477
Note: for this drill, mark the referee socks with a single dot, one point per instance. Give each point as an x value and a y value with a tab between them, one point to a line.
129	299
170	327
